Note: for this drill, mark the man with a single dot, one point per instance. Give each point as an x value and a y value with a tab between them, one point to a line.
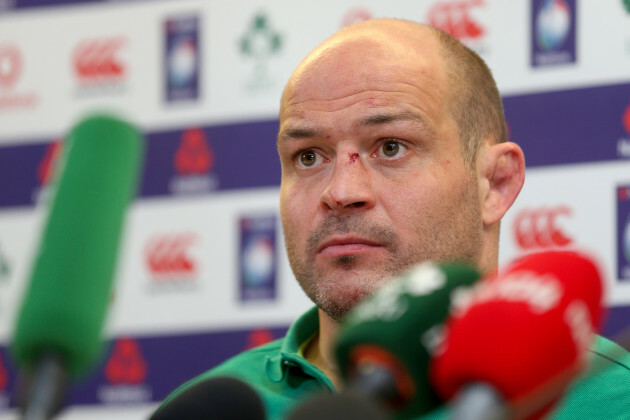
393	149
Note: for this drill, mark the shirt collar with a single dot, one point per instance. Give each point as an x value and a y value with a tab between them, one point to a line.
303	329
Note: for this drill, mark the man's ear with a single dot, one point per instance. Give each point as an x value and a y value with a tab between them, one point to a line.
501	176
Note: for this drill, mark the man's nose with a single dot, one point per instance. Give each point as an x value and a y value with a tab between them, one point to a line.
350	185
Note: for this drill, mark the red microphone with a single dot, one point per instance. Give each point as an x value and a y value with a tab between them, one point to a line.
516	341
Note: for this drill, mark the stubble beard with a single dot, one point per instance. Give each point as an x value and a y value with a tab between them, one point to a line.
455	234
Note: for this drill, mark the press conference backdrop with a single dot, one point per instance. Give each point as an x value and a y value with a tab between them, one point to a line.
202	272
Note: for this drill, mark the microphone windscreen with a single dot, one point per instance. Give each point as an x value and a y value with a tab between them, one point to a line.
225	398
525	331
65	304
395	330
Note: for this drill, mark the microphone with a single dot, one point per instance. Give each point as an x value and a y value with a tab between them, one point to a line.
223	398
516	341
384	345
57	334
339	407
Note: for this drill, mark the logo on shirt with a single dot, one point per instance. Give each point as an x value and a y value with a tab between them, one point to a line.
193	162
553	32
541	228
260	43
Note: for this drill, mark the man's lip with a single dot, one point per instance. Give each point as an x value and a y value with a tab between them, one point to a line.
346	245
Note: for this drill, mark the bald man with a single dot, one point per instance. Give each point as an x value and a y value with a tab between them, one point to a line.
394	151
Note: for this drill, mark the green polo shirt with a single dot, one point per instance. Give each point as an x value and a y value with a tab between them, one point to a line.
283	378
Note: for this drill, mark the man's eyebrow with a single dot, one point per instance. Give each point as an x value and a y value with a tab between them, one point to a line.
384	118
297	133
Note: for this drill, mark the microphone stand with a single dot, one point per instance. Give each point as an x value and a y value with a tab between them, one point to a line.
44	388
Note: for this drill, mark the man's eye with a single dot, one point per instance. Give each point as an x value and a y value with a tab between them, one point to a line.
309	158
392	148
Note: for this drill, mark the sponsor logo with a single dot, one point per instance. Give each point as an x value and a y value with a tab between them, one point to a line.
356	15
181	59
125	371
623	232
10	65
553	32
98	66
258	337
193	162
539	228
4	384
623	144
11	69
169	261
457	18
46	171
257	257
259	43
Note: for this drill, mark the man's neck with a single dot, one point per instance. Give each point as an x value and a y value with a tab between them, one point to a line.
319	351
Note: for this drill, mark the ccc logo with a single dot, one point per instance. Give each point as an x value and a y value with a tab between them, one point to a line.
538	228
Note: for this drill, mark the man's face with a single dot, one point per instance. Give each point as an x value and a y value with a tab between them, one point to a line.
373	179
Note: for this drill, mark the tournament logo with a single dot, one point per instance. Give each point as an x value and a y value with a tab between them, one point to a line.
257	258
623	144
553	32
169	261
181	59
260	43
98	66
11	70
623	232
193	162
126	372
540	228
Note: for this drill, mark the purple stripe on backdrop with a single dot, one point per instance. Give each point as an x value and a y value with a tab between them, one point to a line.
172	360
572	126
168	362
567	127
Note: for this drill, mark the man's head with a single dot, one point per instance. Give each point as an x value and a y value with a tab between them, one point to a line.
388	144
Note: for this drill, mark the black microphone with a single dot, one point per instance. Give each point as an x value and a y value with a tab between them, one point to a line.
339	407
223	397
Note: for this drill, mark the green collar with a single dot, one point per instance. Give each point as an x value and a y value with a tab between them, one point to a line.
289	357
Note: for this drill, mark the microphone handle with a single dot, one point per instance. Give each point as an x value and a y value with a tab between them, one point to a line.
46	387
479	401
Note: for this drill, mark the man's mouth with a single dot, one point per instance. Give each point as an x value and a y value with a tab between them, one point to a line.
347	245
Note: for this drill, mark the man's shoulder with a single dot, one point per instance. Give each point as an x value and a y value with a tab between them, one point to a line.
604	391
244	365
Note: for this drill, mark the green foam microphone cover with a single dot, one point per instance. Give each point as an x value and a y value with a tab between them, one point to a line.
65	305
399	327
